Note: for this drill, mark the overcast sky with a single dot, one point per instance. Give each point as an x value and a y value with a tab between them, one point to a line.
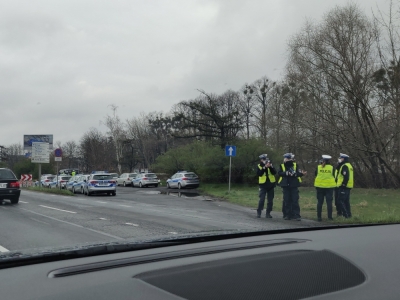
62	63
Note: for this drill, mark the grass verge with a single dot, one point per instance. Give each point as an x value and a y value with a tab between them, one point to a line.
50	191
367	205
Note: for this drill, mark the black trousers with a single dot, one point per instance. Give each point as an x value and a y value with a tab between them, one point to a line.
337	203
322	194
344	201
270	199
291	199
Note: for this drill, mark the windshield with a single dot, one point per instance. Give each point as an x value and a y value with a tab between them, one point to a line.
196	117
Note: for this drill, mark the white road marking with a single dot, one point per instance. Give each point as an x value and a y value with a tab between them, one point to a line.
2	249
76	225
40	221
103	219
124	205
101	201
132	224
71	212
173	232
22	201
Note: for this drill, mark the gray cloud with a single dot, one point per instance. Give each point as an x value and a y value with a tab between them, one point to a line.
77	57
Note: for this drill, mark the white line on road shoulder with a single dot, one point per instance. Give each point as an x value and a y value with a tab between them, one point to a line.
173	232
103	219
132	224
71	212
23	201
2	249
101	201
124	205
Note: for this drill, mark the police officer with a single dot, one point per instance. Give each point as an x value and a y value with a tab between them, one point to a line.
267	182
325	184
289	181
73	173
344	183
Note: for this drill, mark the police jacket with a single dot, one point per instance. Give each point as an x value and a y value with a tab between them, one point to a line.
286	179
344	175
266	177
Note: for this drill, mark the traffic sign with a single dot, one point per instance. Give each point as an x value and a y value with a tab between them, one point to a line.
230	150
26	177
40	152
58	152
57	158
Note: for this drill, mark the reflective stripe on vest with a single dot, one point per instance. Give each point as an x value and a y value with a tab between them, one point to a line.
284	170
340	177
262	179
325	177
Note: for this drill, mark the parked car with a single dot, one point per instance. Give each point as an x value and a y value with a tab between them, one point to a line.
9	186
126	179
78	186
145	180
45	180
183	179
59	181
100	183
114	175
70	185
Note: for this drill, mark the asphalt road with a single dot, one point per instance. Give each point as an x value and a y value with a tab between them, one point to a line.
47	220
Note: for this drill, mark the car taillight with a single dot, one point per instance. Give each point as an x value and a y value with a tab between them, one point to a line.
145	178
112	181
184	178
14	185
93	181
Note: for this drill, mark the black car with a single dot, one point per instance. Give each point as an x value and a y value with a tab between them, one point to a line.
9	186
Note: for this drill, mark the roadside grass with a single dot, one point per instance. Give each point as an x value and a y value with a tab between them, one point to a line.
49	191
367	205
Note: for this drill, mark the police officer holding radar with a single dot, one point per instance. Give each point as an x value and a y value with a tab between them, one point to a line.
344	183
325	184
266	181
289	181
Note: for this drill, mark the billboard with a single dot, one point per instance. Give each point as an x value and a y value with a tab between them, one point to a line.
31	138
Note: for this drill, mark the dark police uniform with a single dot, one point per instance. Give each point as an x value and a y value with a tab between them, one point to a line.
338	206
267	183
289	181
325	184
344	183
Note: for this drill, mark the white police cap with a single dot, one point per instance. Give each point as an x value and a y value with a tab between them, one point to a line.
263	156
326	157
342	155
288	155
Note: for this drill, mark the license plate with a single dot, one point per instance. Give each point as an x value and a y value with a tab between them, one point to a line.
103	184
3	185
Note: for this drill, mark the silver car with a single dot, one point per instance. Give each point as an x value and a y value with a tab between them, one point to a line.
59	181
183	180
100	183
145	180
126	179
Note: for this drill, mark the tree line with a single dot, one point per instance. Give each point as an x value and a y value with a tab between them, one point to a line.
340	93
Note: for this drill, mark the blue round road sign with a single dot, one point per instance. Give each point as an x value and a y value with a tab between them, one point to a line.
58	152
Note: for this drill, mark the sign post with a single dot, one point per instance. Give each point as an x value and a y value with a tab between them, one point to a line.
40	154
230	151
57	158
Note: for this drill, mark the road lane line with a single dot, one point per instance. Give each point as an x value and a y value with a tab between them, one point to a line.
71	212
76	225
132	224
124	205
40	221
173	232
103	219
22	201
2	249
101	201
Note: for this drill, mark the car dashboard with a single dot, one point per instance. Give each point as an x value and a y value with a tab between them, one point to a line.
346	263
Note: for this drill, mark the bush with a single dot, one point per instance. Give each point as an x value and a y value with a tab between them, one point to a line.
210	163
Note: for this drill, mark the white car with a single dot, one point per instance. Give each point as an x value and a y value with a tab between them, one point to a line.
126	179
145	180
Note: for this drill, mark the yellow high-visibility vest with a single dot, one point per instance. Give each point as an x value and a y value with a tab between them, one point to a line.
325	177
284	170
340	177
262	179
